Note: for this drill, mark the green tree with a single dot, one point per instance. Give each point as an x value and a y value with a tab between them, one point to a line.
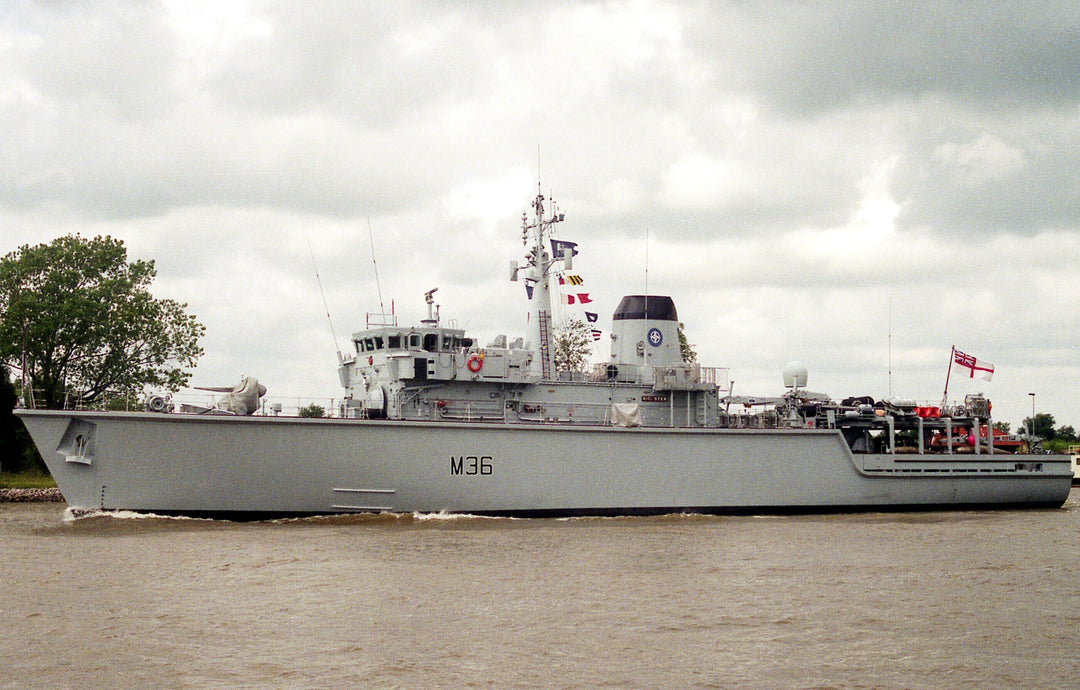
17	452
312	410
1066	433
1043	427
572	345
82	321
688	354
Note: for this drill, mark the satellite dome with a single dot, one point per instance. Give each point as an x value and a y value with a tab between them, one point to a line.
795	375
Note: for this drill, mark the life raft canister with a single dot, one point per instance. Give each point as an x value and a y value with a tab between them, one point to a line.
475	363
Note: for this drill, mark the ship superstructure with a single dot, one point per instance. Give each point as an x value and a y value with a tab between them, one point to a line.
431	372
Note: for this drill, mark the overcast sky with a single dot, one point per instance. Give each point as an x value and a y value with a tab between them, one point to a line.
843	184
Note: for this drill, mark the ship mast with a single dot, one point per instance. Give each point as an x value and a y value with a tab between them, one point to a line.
538	263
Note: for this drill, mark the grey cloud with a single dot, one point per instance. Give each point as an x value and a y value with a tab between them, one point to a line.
984	174
113	56
739	134
805	57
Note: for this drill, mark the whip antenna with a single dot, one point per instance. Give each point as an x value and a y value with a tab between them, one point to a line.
646	270
323	294
378	285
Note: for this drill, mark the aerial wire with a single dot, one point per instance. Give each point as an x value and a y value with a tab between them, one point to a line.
646	271
323	294
375	264
890	346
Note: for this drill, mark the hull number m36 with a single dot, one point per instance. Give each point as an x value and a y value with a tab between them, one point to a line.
470	465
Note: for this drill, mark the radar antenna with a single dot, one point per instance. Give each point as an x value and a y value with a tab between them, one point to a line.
432	308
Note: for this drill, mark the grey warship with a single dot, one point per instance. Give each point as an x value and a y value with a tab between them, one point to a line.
435	422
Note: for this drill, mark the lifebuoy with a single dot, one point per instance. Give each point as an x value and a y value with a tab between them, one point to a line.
475	363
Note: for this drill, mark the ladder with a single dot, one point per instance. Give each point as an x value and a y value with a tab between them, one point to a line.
701	407
545	345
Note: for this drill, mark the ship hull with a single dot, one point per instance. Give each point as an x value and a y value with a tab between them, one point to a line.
250	467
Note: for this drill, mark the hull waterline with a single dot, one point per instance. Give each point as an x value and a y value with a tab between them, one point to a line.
248	467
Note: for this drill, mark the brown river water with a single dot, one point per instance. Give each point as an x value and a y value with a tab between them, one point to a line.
913	600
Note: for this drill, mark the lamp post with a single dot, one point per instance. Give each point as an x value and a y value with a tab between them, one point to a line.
1031	424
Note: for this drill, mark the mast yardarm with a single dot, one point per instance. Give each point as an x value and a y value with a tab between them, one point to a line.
537	283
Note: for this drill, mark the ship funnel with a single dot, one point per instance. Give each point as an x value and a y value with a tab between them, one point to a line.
645	332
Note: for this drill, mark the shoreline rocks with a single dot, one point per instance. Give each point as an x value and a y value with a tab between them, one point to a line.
31	495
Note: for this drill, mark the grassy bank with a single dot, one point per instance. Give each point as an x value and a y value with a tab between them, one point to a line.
24	480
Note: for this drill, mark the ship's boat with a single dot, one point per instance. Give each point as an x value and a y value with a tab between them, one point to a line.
433	421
